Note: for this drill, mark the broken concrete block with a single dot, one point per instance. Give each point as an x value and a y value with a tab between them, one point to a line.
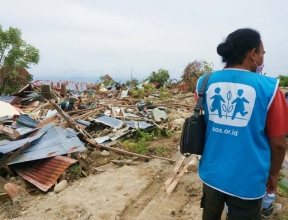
13	190
105	153
178	122
277	208
60	186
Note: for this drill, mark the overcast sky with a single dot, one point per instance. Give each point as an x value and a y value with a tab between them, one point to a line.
89	38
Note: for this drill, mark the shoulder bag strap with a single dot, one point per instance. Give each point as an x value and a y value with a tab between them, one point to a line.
201	94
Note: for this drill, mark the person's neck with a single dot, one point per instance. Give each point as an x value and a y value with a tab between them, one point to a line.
241	66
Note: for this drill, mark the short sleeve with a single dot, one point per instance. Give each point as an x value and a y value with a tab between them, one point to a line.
277	117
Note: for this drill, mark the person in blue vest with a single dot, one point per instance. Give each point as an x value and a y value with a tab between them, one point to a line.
243	151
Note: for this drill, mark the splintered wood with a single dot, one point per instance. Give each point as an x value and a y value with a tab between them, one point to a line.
179	170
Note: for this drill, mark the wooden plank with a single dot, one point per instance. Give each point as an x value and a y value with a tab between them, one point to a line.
175	182
97	169
179	164
125	162
47	121
175	171
13	155
163	158
8	170
92	142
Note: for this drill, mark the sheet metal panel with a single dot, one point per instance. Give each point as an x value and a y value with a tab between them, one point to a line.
8	146
43	173
112	122
138	125
56	141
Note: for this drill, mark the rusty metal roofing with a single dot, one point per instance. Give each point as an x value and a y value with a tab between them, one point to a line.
43	173
56	141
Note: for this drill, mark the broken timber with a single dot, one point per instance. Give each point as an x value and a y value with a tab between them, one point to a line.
3	164
88	138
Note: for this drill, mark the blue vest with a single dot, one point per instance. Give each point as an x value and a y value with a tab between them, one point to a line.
236	157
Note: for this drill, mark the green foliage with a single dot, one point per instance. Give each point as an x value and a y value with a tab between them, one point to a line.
283	81
164	94
208	67
168	133
15	54
136	93
161	150
194	70
140	142
75	169
282	189
106	80
134	82
160	77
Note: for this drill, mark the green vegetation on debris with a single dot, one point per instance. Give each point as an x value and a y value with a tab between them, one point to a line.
140	141
76	170
282	189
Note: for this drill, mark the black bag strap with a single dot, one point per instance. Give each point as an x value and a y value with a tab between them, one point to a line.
201	94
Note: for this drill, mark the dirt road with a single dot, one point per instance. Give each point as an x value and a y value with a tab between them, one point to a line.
127	192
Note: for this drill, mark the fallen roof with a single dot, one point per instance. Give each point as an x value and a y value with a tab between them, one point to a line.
43	173
56	141
8	146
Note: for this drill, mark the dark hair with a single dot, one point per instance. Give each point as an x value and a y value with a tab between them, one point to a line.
234	49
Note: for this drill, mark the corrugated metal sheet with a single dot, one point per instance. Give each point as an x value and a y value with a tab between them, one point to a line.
100	140
144	125
26	120
112	122
43	173
32	135
56	141
8	146
70	85
82	122
138	125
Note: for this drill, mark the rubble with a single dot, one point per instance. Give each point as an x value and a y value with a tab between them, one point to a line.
38	133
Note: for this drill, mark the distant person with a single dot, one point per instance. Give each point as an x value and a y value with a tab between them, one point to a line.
243	151
66	106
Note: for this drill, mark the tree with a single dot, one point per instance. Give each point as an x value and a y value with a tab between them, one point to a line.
15	55
160	77
194	70
106	79
283	81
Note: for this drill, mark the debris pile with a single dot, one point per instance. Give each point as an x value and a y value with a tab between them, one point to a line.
48	126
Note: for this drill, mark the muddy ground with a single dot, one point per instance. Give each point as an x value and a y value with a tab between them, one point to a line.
134	192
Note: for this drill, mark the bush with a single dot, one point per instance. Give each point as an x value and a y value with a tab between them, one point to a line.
160	77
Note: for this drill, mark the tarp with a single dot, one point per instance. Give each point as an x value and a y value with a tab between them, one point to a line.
7	110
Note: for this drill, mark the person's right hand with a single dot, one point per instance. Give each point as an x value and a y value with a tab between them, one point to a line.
271	185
